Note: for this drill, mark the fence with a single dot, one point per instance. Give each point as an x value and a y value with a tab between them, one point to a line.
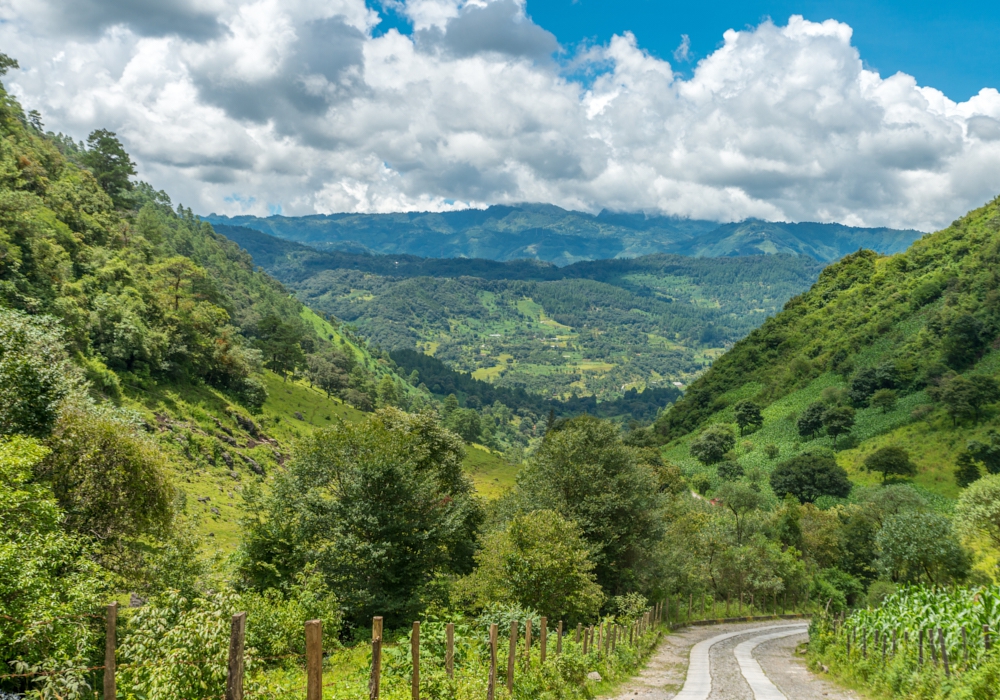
939	647
600	639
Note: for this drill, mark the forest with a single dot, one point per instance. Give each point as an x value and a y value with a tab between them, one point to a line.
594	328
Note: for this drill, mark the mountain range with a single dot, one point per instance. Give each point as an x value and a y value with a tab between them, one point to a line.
552	234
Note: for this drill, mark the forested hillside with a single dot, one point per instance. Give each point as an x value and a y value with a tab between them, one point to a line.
594	328
896	351
549	233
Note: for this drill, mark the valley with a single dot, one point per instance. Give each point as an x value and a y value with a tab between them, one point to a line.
595	328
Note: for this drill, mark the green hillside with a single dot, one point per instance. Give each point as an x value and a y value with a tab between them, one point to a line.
593	328
549	233
920	327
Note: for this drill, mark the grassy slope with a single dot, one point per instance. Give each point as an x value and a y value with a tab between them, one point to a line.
872	315
184	420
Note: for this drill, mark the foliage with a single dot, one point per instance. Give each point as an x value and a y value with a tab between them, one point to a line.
713	444
729	470
890	460
106	158
35	373
379	507
747	415
838	420
540	561
109	479
584	472
915	547
811	420
809	476
977	513
884	399
49	585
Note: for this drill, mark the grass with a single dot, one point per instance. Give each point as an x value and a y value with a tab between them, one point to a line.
491	474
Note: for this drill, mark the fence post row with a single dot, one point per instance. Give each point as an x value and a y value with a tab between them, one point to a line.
237	637
314	660
559	635
374	681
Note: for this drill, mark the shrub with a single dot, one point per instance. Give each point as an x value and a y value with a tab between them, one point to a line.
713	444
809	476
729	470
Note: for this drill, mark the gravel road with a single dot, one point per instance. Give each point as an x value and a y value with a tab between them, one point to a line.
744	661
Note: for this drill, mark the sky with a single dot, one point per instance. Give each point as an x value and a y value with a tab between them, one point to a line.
873	114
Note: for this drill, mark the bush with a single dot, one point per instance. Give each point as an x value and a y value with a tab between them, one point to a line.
539	561
713	444
729	471
809	476
35	373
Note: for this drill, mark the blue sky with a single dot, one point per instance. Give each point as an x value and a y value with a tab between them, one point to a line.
953	47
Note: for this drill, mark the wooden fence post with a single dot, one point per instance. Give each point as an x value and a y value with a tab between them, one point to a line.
314	660
920	648
933	645
944	653
527	644
542	639
586	640
110	644
666	611
690	605
491	687
375	679
893	642
449	652
848	642
965	646
415	655
511	656
559	634
614	637
986	637
237	637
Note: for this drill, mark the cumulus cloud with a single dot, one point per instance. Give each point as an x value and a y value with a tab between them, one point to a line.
299	105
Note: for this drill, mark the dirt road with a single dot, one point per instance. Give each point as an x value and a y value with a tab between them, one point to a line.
745	661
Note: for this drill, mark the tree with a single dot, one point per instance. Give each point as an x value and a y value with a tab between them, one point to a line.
748	415
465	423
539	561
330	510
387	395
583	471
740	500
6	63
892	460
838	420
729	470
713	444
884	399
965	397
109	478
986	454
450	404
325	373
966	469
280	344
915	547
809	476
35	373
962	341
111	164
811	420
977	513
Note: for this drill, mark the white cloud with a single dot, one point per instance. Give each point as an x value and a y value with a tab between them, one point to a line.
249	106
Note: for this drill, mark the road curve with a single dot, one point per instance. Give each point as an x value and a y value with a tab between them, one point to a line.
698	683
733	661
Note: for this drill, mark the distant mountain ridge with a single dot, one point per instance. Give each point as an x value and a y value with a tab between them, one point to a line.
549	233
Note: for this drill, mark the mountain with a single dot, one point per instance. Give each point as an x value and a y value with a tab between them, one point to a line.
552	234
593	328
921	327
